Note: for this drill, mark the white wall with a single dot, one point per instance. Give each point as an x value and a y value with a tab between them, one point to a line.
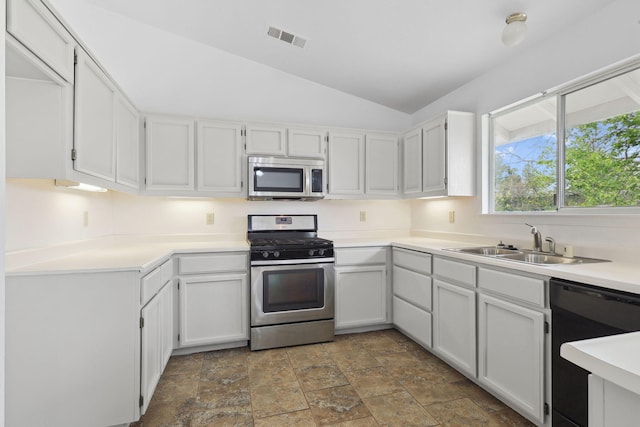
612	35
165	73
2	213
40	214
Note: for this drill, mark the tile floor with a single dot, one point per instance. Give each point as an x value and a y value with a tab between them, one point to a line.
371	379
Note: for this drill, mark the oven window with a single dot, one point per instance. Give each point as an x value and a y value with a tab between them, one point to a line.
278	179
293	290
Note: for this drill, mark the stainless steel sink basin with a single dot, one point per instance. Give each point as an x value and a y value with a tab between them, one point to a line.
526	256
488	250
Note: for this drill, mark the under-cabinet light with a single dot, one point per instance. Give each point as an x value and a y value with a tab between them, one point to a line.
79	186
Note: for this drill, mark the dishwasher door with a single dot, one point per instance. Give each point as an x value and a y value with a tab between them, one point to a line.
578	312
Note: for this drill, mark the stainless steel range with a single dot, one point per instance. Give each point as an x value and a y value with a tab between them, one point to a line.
292	281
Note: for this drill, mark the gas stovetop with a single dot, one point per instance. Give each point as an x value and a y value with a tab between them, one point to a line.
286	237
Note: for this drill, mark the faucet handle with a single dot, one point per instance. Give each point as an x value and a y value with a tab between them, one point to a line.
534	229
552	244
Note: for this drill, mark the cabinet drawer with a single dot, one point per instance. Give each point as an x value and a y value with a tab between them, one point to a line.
153	282
413	321
454	270
213	263
412	286
412	260
38	29
360	256
522	288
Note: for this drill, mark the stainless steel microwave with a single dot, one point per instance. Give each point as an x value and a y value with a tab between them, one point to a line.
286	178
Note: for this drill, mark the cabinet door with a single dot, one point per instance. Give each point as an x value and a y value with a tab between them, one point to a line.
170	153
381	166
151	348
511	353
346	164
412	320
434	158
454	325
213	309
166	323
219	154
267	140
127	143
38	29
412	162
306	143
361	296
94	139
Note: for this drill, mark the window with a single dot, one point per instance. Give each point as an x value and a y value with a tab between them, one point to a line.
578	148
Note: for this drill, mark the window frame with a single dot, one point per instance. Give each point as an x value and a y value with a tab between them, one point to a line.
560	93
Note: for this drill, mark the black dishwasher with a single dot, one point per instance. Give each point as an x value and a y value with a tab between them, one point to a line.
578	312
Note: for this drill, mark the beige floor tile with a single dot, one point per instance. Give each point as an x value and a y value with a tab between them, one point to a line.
373	382
428	392
480	397
360	422
354	359
184	365
309	355
318	377
398	409
343	343
269	399
335	405
176	387
291	419
221	394
206	416
225	372
272	375
509	418
458	413
176	413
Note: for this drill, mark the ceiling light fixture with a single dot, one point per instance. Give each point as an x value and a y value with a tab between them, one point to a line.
516	29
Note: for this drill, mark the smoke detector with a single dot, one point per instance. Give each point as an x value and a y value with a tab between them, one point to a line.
286	36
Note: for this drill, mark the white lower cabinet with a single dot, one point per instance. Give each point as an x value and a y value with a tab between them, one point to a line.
362	288
511	353
214	299
611	405
156	341
511	339
412	302
454	325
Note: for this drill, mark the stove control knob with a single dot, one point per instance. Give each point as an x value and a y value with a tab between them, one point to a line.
311	252
320	252
276	254
265	254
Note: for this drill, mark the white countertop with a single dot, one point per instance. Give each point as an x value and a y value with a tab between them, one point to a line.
614	358
140	253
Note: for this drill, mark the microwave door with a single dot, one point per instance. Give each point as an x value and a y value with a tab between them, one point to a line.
277	180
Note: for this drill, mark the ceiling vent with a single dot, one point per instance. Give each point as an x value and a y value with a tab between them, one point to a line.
286	37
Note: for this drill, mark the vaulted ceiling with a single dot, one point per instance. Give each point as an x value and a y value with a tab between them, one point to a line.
402	54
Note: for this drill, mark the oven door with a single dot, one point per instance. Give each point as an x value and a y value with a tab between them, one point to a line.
291	293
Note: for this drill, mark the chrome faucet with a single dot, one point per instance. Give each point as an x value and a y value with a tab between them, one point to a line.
537	238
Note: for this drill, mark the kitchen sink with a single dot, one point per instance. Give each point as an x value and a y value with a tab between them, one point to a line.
524	255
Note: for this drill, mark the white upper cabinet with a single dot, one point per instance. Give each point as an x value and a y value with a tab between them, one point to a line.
127	129
94	139
170	153
434	175
306	143
219	157
267	140
412	160
381	165
438	159
37	28
363	165
346	164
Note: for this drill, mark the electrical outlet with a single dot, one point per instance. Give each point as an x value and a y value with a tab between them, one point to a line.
85	218
452	216
363	216
209	218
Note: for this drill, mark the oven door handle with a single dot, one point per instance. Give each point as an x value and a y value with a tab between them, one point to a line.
329	260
